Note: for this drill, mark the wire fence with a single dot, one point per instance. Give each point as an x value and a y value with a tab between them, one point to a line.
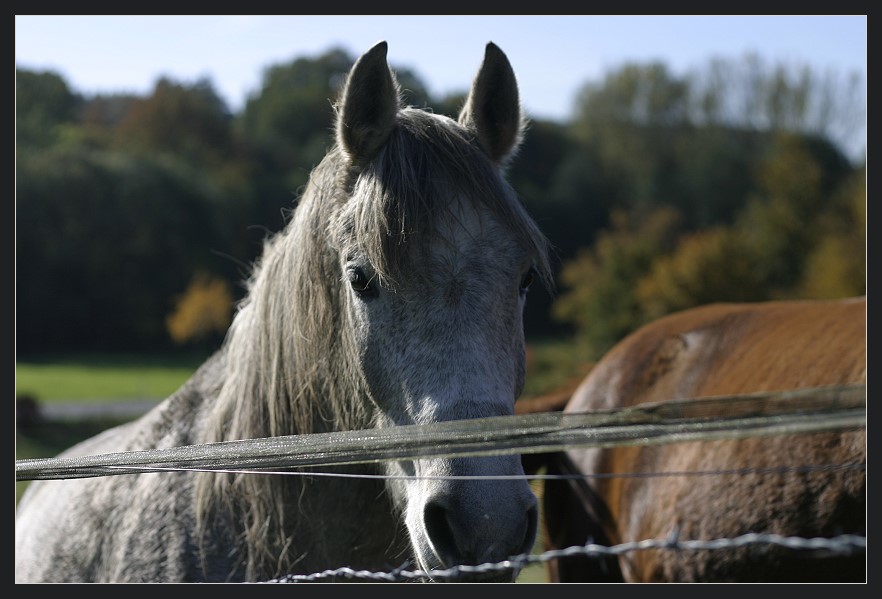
839	545
817	409
823	409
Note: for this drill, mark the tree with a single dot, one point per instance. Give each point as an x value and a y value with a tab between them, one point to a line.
43	104
601	300
837	265
104	240
781	222
287	124
750	93
203	313
707	266
736	155
189	122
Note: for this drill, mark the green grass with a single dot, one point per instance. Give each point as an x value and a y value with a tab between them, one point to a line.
92	378
95	377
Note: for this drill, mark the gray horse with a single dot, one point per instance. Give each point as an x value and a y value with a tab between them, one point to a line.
394	296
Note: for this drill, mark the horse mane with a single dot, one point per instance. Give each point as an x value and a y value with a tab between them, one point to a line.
288	362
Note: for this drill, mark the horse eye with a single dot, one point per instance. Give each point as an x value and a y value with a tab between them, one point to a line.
528	279
361	284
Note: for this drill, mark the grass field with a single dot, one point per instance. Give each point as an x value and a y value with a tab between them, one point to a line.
94	377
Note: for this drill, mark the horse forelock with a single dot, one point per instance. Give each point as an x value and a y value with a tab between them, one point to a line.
404	197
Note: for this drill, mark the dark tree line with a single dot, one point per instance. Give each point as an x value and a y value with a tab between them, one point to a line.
663	192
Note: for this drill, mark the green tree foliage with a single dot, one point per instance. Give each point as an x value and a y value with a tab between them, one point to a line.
801	235
666	190
43	105
735	150
562	184
626	118
290	117
190	123
750	93
103	242
707	266
763	254
782	223
601	300
649	149
837	264
101	115
189	128
693	140
288	125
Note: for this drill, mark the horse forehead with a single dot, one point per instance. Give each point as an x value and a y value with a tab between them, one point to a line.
475	232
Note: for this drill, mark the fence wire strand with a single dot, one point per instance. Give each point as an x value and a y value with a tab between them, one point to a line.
842	544
703	419
794	412
766	470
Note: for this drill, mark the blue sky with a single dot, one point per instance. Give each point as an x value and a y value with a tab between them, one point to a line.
553	56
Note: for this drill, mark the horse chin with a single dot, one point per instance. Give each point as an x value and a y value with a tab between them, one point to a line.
492	575
498	576
428	561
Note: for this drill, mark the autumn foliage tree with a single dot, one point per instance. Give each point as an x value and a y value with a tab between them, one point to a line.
601	300
203	312
837	265
707	266
769	207
801	235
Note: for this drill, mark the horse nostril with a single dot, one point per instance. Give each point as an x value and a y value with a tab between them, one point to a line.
456	546
441	534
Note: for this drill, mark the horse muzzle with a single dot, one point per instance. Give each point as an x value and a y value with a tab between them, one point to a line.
478	524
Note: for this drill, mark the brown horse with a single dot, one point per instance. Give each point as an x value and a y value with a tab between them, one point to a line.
720	349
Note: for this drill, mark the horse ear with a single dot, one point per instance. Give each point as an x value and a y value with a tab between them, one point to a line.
370	101
493	110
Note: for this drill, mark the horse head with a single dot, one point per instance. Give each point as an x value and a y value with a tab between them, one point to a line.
436	256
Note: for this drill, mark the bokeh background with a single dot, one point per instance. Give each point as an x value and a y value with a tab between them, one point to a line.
672	161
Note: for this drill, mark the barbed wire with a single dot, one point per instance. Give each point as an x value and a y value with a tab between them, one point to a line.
842	544
582	430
